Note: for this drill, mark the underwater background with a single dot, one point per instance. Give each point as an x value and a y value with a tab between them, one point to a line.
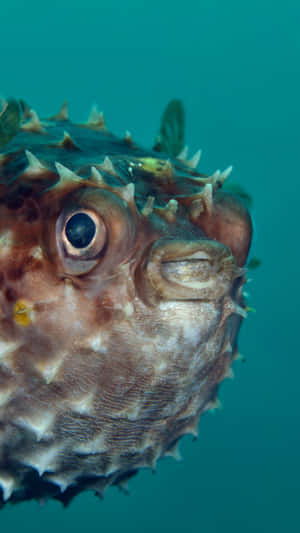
236	66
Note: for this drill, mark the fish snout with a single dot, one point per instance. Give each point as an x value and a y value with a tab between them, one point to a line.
186	270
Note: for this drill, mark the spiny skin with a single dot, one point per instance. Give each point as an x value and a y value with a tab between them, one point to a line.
111	352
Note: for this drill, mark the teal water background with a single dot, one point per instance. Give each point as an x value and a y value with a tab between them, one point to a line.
236	67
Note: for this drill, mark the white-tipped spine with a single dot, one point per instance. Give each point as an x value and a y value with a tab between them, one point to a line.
35	166
194	161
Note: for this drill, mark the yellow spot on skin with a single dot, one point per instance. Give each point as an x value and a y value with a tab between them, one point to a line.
22	313
157	167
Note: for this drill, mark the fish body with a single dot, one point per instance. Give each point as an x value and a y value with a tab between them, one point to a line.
121	277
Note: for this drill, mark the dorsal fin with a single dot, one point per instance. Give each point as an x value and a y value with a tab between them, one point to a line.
170	138
10	118
26	109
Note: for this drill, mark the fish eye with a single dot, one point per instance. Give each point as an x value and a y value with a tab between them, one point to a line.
80	230
94	229
84	234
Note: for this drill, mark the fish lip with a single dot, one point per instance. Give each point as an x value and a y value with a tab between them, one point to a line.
187	270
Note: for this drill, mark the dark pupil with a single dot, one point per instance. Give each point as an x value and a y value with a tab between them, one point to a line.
80	230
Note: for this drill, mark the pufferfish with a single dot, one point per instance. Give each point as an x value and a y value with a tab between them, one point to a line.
121	297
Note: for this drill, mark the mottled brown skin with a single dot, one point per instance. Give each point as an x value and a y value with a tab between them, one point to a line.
108	356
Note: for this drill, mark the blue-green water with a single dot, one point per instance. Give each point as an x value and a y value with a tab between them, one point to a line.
236	67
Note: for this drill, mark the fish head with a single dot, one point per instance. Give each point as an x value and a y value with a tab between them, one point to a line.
121	301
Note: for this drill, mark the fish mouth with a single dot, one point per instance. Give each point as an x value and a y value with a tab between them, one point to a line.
186	270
